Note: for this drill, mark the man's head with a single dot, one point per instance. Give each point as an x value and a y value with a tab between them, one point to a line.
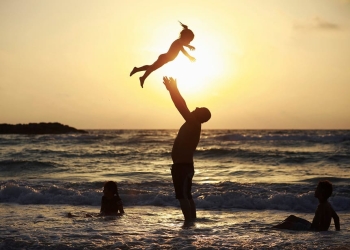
324	190
202	114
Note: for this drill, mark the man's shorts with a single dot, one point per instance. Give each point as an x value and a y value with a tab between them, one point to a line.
182	174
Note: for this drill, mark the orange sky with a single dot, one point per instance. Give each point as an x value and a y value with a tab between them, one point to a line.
271	64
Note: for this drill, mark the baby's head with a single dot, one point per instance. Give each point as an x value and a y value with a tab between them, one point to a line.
324	190
110	188
186	34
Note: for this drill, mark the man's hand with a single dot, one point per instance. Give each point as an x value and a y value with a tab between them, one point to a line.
170	83
180	104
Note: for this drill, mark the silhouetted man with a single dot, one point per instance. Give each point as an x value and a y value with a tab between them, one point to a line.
185	144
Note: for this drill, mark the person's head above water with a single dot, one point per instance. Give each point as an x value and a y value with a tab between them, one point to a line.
202	114
324	190
110	188
186	34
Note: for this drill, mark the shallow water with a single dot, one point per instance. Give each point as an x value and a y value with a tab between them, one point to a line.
245	182
150	227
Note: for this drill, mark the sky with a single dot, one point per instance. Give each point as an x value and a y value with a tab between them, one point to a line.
271	64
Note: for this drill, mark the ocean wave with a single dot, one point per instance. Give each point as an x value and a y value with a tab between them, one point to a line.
285	137
225	195
16	166
282	156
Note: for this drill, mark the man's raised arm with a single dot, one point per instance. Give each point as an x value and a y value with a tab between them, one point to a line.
178	100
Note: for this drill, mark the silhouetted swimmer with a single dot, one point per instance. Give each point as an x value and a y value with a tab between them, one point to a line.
184	146
111	204
186	36
323	215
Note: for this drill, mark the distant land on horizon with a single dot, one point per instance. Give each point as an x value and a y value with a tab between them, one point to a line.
38	128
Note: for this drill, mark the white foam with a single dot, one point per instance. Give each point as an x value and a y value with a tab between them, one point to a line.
208	196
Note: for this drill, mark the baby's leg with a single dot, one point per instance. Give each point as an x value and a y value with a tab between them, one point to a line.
136	69
162	59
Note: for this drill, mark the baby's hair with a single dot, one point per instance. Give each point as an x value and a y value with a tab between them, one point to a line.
326	188
183	26
186	32
112	186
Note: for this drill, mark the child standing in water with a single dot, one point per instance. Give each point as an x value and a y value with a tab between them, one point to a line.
186	36
323	215
111	204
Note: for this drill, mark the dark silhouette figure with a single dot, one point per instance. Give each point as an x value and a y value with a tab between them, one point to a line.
111	203
186	36
323	215
185	144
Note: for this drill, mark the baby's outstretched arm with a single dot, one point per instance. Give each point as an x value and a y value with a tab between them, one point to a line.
190	47
192	59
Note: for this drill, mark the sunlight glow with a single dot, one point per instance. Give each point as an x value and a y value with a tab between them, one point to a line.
196	77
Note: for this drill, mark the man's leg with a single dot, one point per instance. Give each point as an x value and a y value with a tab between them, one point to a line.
193	209
182	180
186	209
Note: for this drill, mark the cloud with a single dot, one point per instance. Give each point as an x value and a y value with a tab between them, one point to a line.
317	23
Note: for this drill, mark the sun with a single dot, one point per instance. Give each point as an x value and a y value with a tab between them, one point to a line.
195	77
215	66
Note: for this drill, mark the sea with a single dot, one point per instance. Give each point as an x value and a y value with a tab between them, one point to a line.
245	182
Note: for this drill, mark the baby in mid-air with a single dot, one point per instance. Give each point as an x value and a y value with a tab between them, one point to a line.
323	215
186	36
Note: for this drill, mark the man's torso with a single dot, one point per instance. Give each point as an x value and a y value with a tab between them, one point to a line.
186	142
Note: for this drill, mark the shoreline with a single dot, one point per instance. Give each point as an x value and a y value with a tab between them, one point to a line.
144	227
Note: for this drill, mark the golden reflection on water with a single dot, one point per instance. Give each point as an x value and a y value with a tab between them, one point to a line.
162	227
